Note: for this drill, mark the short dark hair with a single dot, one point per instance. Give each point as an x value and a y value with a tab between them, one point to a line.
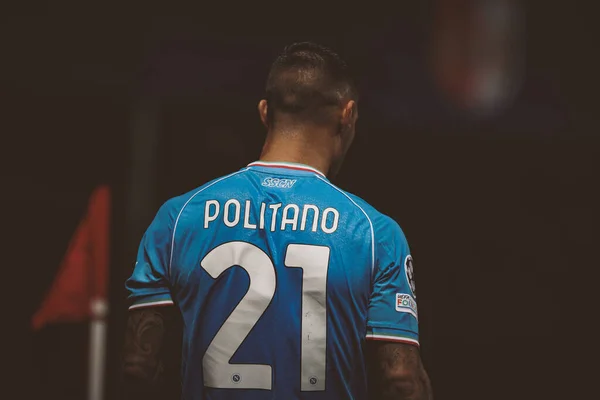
307	80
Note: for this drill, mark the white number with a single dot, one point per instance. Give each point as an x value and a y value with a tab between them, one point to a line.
314	261
218	371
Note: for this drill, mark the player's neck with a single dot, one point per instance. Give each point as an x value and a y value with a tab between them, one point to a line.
297	148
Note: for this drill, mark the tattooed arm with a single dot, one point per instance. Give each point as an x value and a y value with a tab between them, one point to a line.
150	349
396	372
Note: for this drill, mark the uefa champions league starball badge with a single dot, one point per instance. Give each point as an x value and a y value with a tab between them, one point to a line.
410	275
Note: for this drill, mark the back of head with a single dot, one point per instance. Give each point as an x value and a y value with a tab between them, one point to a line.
307	83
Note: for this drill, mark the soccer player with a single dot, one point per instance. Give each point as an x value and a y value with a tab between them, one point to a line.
288	286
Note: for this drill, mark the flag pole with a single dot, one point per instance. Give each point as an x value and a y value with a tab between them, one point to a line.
99	226
97	349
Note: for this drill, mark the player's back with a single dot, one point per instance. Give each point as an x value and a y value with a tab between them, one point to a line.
271	267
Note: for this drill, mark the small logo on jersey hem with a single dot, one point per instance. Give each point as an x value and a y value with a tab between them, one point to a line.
281	183
407	304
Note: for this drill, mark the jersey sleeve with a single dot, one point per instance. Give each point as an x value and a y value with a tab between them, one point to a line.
392	314
148	285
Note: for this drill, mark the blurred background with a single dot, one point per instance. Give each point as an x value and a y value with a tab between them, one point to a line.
478	133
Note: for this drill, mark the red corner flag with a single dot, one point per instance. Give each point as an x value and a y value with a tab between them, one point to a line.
79	289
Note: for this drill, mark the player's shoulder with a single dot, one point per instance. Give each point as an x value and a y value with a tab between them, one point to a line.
380	221
389	236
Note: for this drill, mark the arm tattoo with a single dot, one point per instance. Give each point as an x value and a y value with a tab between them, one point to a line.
398	373
142	364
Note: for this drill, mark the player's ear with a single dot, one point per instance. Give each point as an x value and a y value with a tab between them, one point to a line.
349	114
262	111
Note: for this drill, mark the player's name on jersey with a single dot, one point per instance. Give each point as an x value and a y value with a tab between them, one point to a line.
277	216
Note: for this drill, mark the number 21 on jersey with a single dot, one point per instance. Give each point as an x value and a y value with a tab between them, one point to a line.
219	372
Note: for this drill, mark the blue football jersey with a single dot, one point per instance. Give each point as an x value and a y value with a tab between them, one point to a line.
280	277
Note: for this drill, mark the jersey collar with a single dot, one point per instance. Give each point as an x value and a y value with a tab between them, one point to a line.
286	165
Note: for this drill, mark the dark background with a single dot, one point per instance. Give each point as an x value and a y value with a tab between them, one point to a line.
499	210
